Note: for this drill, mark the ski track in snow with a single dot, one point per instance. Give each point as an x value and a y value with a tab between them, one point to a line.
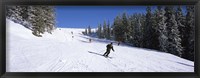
59	52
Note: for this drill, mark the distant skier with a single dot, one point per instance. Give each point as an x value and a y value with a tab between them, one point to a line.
118	43
109	47
71	32
90	40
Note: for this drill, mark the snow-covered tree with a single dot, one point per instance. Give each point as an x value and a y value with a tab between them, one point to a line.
138	34
173	32
125	27
13	13
98	31
104	29
180	18
89	30
155	33
36	19
162	29
86	32
190	26
18	14
108	36
117	28
49	18
148	29
39	19
132	28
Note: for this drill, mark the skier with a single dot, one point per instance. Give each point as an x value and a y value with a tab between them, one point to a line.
90	40
109	47
71	32
118	43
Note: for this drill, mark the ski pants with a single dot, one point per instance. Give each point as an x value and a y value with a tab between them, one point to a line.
107	52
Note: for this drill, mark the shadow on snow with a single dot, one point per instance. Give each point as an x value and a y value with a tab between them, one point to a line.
98	54
84	41
185	64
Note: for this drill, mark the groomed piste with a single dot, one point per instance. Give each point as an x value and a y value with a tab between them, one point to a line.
59	52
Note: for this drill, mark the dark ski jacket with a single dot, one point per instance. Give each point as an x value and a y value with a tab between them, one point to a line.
109	47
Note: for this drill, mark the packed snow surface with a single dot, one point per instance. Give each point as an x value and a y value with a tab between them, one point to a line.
59	52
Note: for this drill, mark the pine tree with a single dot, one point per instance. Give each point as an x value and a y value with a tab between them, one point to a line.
190	32
132	29
117	29
162	29
155	33
108	31
142	21
89	30
39	19
148	30
13	13
98	31
125	27
129	30
112	32
49	18
138	34
18	14
104	29
180	18
173	32
32	19
10	12
86	31
36	18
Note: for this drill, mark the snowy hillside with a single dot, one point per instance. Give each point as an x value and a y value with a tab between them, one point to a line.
59	52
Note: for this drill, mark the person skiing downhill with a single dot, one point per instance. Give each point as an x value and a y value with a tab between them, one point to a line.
90	40
109	47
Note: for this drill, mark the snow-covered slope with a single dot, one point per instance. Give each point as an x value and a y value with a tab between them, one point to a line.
59	52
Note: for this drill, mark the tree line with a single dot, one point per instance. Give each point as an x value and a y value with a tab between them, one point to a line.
167	29
39	19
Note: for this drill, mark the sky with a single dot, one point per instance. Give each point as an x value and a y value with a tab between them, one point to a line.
84	16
